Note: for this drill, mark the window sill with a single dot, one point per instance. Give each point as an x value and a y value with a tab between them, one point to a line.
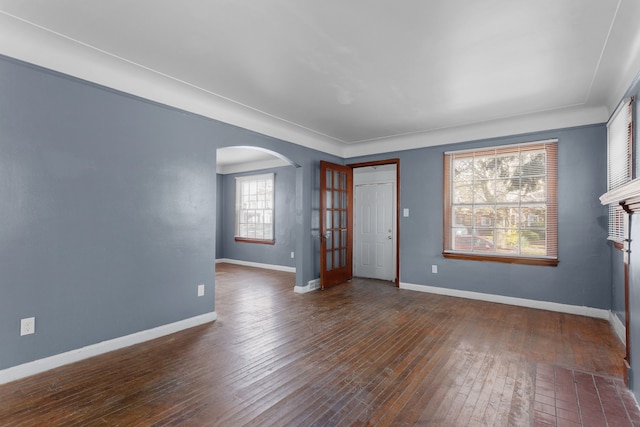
257	241
504	259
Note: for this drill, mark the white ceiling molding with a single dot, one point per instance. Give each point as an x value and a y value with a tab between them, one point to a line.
29	43
538	122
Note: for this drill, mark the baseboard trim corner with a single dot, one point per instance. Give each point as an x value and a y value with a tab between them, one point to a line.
313	285
618	327
41	365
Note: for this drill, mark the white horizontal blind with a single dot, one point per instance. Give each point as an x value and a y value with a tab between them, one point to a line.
619	161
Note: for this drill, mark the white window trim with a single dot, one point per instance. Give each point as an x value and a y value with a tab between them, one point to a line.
247	178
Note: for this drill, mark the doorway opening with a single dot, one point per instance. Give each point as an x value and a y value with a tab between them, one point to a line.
235	166
376	220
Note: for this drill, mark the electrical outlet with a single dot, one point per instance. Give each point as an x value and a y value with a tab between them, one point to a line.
434	269
27	326
200	290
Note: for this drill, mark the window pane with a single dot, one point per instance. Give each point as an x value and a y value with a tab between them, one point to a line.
508	190
533	242
462	192
485	217
533	217
463	170
484	167
329	199
329	185
484	191
463	216
507	166
534	189
507	216
533	163
507	241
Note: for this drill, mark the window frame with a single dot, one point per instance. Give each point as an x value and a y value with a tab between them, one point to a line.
240	180
551	205
619	171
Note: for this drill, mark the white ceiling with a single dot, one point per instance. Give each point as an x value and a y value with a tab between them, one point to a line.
347	77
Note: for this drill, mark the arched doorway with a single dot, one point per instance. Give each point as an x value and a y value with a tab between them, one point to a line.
236	167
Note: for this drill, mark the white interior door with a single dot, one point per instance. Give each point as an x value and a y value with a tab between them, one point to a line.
375	236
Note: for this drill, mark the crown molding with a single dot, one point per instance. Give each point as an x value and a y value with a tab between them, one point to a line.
30	43
36	45
535	122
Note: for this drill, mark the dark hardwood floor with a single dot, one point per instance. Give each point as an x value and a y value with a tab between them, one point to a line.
362	353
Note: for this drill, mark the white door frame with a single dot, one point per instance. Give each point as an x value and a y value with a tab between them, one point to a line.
391	164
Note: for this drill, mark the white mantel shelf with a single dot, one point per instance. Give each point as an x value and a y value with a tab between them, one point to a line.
627	196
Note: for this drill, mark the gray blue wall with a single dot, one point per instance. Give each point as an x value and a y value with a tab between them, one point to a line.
285	197
583	275
617	283
108	213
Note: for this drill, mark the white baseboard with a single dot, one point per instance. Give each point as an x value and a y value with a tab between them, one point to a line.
618	327
311	286
55	361
522	302
257	264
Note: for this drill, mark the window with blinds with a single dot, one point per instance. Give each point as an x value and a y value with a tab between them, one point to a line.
501	204
254	208
619	161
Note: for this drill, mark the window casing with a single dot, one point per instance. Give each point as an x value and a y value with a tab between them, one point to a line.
254	208
619	162
500	204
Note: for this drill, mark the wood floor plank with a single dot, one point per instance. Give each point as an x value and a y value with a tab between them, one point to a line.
361	353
